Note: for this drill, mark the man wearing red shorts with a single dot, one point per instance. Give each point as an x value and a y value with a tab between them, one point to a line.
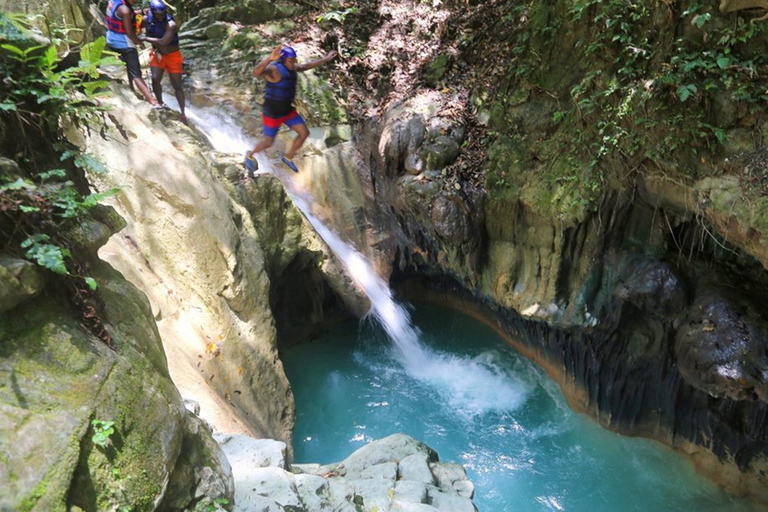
162	32
280	71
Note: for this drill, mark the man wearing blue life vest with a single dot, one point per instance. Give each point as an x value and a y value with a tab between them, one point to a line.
162	32
280	71
122	39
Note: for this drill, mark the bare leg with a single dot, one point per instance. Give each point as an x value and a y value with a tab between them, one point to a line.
157	83
263	144
303	132
144	90
176	83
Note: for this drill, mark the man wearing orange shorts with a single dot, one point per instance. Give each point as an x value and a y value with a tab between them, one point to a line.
162	32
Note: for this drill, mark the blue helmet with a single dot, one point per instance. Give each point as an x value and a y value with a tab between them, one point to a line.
286	53
157	5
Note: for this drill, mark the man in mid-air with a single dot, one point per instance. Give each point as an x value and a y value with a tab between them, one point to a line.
280	71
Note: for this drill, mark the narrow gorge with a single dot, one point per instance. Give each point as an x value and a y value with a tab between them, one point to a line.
572	195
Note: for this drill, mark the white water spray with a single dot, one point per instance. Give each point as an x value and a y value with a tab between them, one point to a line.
471	386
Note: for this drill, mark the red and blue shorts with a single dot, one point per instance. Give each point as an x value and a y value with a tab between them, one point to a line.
272	124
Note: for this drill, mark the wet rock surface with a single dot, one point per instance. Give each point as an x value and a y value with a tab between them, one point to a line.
397	473
722	346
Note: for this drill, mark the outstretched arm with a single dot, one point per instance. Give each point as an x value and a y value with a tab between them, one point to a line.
315	63
170	30
262	69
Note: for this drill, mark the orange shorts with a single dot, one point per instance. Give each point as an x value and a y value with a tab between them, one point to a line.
173	62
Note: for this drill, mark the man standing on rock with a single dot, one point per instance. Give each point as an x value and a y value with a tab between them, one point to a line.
162	32
280	71
122	39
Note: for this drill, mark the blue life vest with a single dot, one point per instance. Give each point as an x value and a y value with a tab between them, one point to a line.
278	97
114	22
156	27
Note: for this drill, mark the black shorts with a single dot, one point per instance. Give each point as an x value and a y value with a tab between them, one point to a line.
131	58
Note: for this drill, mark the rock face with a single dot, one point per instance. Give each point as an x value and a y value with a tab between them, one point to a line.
216	257
61	378
397	473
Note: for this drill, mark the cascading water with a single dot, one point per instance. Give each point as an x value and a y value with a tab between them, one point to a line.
455	379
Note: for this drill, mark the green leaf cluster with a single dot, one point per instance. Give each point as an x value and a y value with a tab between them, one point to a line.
102	430
39	91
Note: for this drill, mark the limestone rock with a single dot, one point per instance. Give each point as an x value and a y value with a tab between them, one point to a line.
61	379
313	492
19	280
251	485
374	493
388	471
449	502
253	453
202	472
410	491
415	467
394	447
450	476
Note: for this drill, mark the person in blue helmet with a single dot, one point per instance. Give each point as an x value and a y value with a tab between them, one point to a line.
122	39
162	32
280	71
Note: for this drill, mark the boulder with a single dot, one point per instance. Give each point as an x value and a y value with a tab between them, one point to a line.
449	502
722	345
416	468
202	472
395	447
60	379
253	453
19	280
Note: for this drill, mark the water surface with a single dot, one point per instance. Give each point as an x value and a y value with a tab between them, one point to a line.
481	404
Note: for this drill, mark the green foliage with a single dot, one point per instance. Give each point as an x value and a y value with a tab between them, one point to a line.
102	430
45	254
208	505
337	16
39	92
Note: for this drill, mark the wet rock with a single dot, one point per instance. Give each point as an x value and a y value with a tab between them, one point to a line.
722	346
19	280
653	287
450	218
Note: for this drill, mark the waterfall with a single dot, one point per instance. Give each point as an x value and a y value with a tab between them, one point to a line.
471	386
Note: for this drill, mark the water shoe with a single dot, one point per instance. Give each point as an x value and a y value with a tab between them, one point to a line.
287	161
251	165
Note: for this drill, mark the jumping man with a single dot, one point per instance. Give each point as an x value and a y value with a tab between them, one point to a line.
280	71
122	38
162	32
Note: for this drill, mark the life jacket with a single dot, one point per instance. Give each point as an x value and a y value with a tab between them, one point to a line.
284	91
114	22
156	27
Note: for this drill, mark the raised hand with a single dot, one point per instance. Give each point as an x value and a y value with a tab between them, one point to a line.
275	55
330	56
